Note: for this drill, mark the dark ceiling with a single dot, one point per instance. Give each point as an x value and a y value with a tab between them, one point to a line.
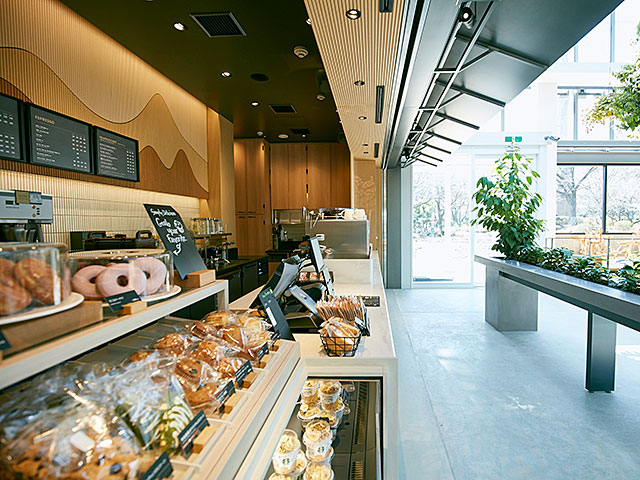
195	61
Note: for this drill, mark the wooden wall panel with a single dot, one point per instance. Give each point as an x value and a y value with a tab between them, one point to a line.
320	173
279	155
368	195
297	175
340	175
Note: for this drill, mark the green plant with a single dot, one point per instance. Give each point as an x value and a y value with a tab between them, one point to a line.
627	278
506	204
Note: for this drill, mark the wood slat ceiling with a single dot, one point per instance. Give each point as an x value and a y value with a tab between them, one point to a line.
362	49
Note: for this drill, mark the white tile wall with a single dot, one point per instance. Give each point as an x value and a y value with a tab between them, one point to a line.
84	206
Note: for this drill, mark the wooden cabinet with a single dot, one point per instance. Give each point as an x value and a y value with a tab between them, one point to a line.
319	178
312	175
240	174
253	234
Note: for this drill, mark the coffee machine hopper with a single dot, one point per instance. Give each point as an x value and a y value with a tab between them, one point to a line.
22	214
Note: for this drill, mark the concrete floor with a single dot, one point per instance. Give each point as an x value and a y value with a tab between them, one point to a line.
476	403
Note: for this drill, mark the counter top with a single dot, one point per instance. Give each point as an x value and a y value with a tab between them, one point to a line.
237	264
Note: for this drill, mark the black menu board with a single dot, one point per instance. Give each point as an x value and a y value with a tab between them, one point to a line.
176	239
116	155
10	138
56	140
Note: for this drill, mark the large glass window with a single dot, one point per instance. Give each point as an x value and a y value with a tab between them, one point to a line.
623	199
627	17
573	105
579	199
596	45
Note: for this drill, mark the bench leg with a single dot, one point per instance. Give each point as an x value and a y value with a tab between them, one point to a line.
509	306
601	354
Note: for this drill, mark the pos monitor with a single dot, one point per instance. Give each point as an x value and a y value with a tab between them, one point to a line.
318	262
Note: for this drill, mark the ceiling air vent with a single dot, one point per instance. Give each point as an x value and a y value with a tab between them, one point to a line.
282	109
221	24
300	131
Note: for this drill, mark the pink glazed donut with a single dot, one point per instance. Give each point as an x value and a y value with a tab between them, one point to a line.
84	282
120	278
155	271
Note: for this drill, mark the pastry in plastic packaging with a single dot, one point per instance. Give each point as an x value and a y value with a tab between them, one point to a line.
173	343
219	319
204	397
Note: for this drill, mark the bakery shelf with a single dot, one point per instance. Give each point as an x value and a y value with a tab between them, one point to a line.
35	360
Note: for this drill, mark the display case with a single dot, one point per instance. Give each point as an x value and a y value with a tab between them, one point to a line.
98	274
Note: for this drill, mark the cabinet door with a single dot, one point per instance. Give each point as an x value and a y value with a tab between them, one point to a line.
255	175
340	175
297	197
255	235
319	176
242	230
240	173
279	176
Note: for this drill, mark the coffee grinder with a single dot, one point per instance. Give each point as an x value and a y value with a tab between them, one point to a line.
22	214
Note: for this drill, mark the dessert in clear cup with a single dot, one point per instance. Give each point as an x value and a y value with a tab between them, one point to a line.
329	391
337	408
307	413
310	388
317	437
327	459
286	454
318	471
281	476
301	464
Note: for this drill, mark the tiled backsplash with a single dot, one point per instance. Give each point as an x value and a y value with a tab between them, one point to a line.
83	206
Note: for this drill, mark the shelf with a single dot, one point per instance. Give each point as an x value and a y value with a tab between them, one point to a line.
23	365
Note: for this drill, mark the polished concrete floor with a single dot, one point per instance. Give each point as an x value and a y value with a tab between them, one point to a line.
476	403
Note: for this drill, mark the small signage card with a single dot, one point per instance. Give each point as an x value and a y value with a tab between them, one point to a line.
4	343
176	239
225	394
371	301
116	302
242	373
264	350
274	314
191	432
160	469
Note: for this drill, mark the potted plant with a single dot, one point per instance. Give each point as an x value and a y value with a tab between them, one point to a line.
507	203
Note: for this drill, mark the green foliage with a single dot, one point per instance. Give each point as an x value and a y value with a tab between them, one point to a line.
623	103
507	204
628	278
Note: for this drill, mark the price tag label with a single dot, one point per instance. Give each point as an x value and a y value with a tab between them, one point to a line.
116	302
242	373
224	395
160	469
264	350
4	343
191	432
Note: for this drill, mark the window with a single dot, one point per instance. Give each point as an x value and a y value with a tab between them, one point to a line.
596	45
627	17
579	199
573	105
580	196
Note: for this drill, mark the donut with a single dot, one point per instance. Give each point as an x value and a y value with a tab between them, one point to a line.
155	271
84	282
39	279
120	278
13	298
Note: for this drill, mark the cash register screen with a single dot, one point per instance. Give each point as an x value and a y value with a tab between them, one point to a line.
316	254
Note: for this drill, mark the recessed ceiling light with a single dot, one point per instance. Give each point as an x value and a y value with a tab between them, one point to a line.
254	104
366	153
226	74
180	26
283	135
304	135
353	14
358	83
362	117
308	21
260	133
321	96
365	144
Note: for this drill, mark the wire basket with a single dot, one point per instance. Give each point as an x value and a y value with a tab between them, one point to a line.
340	346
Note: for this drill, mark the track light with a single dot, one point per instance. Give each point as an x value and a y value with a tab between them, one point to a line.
466	17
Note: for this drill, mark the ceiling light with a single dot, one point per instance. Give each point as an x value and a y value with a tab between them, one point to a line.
365	144
353	14
260	133
283	136
321	96
308	21
226	74
300	51
362	117
466	17
304	135
366	153
180	26
358	83
254	104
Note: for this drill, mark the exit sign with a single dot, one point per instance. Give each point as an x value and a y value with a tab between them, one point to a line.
513	139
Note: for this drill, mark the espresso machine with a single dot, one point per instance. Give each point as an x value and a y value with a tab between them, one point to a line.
22	214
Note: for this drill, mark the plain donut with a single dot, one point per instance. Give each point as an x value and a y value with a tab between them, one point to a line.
84	282
108	282
156	271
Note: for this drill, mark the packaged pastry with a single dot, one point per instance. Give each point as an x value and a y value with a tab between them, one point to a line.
101	273
329	390
347	308
286	454
318	471
31	276
219	319
173	344
204	397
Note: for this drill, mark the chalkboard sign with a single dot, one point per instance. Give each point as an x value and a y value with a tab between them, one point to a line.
176	239
10	132
56	140
116	155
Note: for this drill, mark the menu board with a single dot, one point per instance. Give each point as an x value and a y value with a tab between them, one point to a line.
10	143
58	141
116	155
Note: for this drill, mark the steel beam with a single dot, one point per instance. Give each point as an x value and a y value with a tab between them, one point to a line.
457	120
506	52
474	94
